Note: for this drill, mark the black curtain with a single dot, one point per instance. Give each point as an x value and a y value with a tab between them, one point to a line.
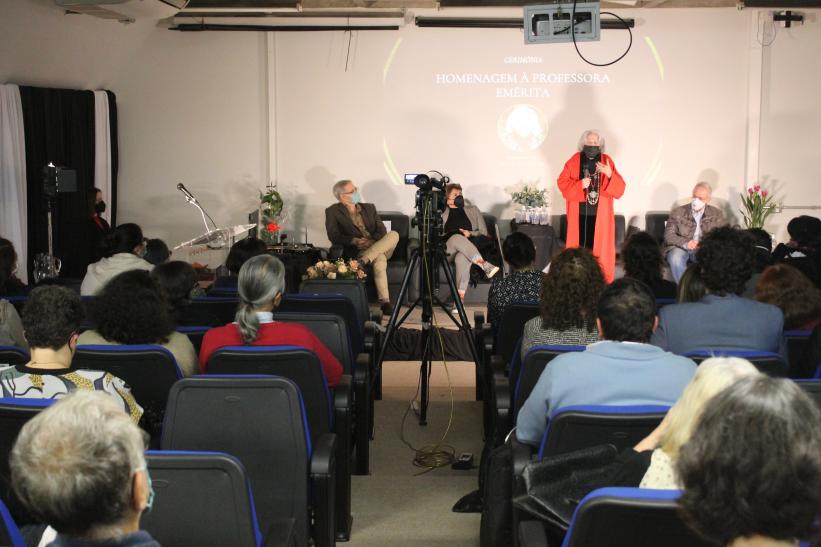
115	156
59	128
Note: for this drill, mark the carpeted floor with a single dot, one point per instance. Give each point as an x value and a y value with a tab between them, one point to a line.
396	506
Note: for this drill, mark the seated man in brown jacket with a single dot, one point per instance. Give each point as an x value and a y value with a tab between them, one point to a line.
357	227
686	226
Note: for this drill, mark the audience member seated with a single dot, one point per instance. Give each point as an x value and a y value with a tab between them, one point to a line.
10	284
570	293
462	224
691	287
803	250
51	319
622	369
357	227
156	251
642	260
11	328
522	285
711	377
722	320
131	309
79	467
794	294
763	248
124	250
261	285
178	282
687	225
239	254
752	469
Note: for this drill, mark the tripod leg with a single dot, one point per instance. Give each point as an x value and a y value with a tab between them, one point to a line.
465	326
424	371
403	291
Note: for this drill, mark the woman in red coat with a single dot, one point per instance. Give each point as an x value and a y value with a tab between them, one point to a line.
589	183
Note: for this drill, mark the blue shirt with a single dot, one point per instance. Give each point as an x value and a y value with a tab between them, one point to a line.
606	373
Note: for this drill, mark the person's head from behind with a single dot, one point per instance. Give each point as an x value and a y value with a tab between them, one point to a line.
642	259
690	287
131	309
241	251
627	311
763	243
712	376
752	466
156	251
571	290
725	256
805	231
8	262
175	279
260	285
519	251
125	238
51	318
791	291
79	467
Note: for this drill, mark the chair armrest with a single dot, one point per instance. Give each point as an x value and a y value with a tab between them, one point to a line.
342	393
497	365
323	477
363	412
369	333
500	411
478	319
522	455
280	533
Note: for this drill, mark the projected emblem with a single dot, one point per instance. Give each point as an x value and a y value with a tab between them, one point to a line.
522	128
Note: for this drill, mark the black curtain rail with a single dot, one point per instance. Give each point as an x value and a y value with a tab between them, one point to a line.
283	28
498	22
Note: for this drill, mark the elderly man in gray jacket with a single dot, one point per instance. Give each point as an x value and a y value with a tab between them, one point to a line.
687	225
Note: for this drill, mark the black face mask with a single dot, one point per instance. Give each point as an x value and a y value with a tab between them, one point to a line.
99	207
591	152
459	201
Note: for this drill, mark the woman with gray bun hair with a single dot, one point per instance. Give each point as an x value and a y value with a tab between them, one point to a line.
261	284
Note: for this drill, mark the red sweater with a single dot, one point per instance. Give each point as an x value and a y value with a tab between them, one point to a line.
273	334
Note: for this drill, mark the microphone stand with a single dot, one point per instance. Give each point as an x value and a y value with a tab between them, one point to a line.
220	241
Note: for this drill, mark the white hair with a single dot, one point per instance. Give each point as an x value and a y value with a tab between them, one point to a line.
339	188
587	134
705	185
260	279
73	463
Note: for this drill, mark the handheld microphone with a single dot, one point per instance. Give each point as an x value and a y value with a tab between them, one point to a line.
186	193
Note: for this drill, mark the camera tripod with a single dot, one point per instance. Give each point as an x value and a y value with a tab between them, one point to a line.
428	257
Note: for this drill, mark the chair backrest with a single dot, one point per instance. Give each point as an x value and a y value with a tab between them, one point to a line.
295	363
811	388
353	289
223	308
14	413
655	222
532	366
771	364
511	327
223	292
630	516
195	334
13	355
259	420
149	370
400	223
331	331
797	341
9	532
336	304
575	427
202	498
661	302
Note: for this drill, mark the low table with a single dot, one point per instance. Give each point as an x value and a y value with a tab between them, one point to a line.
544	238
296	259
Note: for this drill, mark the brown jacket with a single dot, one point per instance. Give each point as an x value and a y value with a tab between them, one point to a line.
681	227
341	229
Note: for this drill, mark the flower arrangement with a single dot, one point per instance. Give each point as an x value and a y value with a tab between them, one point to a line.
758	205
270	208
530	196
339	269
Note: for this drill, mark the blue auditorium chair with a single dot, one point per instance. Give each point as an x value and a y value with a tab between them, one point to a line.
261	420
13	355
772	364
9	532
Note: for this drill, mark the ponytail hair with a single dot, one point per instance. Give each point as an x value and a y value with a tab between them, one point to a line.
123	239
261	278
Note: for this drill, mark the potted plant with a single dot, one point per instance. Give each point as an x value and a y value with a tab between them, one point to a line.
270	209
758	205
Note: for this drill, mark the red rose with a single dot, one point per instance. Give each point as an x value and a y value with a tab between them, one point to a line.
272	227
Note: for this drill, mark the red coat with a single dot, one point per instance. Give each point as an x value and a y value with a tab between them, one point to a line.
273	334
604	242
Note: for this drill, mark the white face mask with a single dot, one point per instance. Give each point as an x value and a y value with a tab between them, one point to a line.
697	204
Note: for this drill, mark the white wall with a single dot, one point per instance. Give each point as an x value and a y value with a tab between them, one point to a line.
193	109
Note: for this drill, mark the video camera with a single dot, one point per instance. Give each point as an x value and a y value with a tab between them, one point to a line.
58	180
431	190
